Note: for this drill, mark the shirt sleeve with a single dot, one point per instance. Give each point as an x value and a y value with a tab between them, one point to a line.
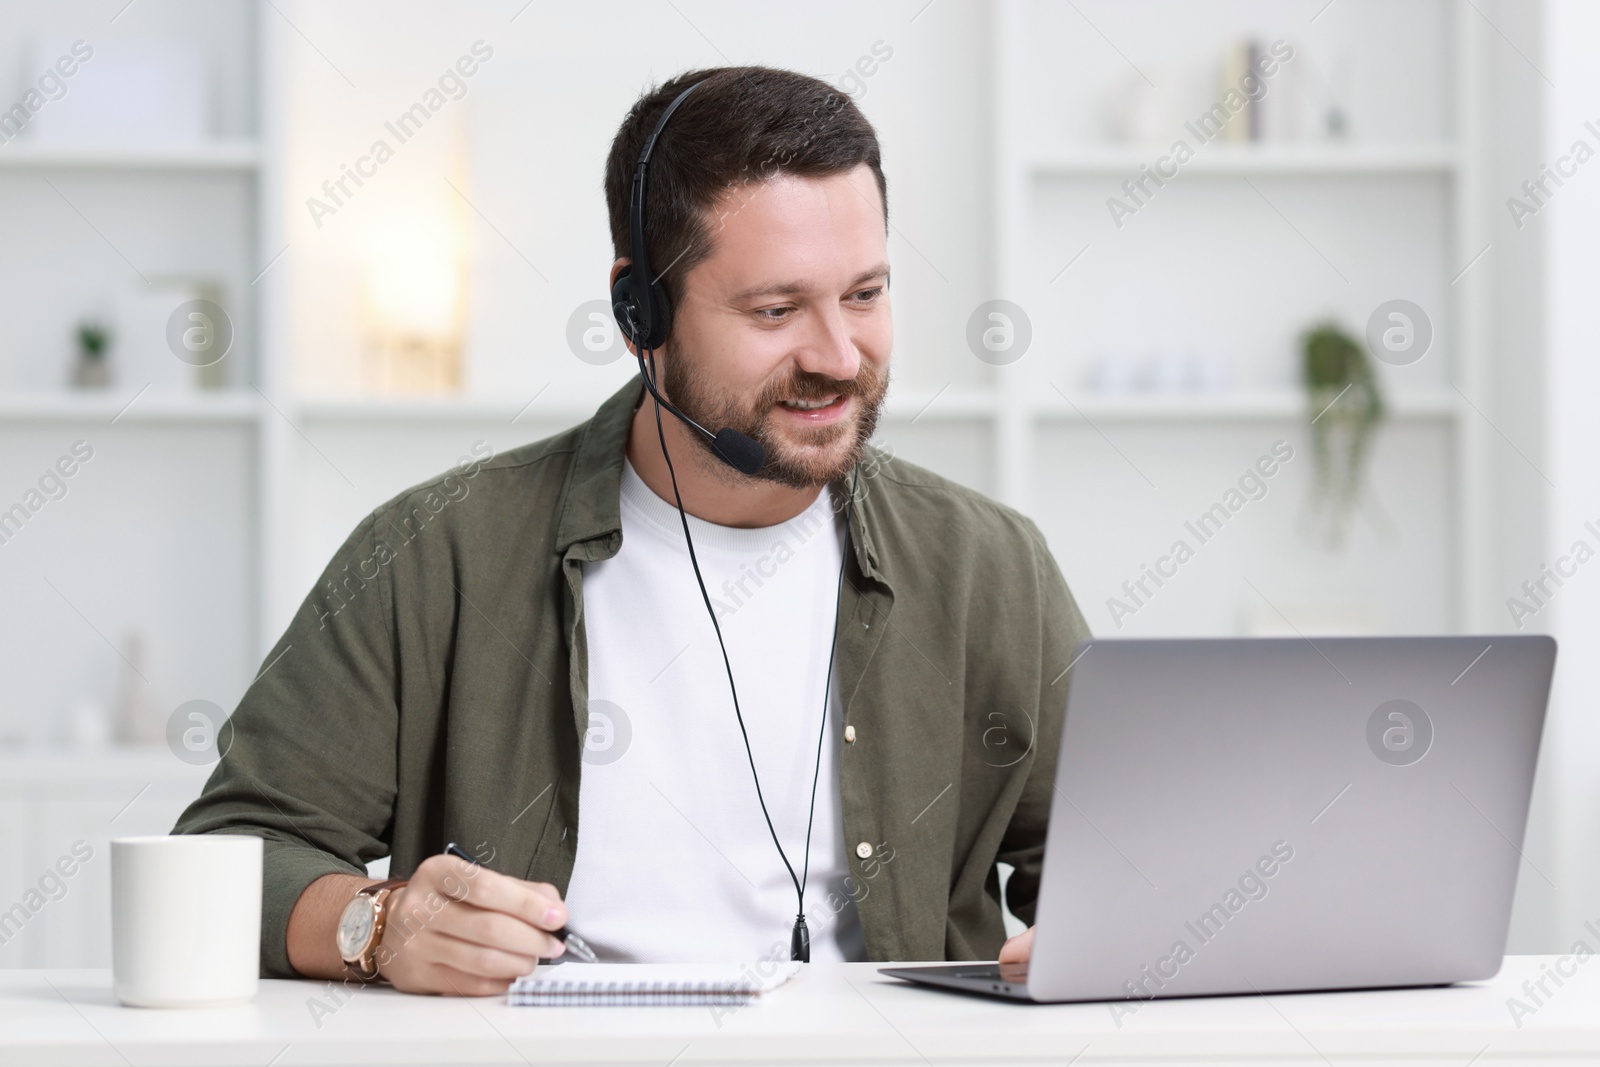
1062	628
309	756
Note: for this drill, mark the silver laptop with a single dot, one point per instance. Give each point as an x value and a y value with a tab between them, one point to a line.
1271	815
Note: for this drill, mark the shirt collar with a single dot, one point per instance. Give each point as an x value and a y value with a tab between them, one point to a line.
590	526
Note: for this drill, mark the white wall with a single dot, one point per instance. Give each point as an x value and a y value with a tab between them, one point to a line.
1569	226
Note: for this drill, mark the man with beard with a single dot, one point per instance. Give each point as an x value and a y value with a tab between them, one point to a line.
686	705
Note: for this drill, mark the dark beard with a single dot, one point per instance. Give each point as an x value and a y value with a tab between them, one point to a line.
699	399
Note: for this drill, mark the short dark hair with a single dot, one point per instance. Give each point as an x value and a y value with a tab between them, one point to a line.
745	124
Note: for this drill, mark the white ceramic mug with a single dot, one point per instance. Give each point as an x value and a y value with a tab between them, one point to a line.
185	919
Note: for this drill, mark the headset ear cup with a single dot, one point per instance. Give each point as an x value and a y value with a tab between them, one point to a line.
625	308
660	317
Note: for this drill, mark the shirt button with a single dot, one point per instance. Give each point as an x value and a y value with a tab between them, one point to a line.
849	735
864	850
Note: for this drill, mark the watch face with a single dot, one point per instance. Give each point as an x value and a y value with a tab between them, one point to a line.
355	927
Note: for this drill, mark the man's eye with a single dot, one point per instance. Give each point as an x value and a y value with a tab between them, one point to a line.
867	296
773	314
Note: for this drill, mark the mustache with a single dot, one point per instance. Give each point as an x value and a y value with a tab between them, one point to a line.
806	385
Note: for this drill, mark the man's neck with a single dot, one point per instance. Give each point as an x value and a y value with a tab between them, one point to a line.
710	490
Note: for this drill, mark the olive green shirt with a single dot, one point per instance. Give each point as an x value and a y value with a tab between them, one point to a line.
433	688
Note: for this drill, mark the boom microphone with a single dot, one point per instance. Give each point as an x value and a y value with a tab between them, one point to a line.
742	453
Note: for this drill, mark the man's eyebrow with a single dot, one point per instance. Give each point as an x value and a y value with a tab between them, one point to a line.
792	288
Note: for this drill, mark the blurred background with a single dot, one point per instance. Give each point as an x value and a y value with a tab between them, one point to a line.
1300	285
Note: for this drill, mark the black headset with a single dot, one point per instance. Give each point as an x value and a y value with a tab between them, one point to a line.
643	311
644	314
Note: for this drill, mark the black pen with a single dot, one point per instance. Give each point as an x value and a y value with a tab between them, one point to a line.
575	944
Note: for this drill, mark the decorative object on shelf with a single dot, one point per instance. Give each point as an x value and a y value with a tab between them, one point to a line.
1345	408
1334	78
1248	94
139	720
1341	79
1281	110
1267	75
1238	74
90	371
416	305
137	91
1136	111
141	312
148	337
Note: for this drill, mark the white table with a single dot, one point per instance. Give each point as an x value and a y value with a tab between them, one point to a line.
832	1013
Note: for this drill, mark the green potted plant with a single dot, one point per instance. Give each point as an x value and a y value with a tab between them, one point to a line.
1345	408
90	371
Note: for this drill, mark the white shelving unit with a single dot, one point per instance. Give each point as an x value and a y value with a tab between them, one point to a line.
1267	158
88	224
236	156
124	405
964	403
1224	407
1027	172
223	405
160	529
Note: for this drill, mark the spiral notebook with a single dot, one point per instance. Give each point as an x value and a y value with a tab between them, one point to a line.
605	984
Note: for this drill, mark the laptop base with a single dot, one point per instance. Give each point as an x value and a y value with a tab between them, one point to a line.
1009	981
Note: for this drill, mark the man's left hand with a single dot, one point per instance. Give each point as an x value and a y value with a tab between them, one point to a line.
1018	949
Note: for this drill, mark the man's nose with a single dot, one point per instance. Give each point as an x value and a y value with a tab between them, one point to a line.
829	349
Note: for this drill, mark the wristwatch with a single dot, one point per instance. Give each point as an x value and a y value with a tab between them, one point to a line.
361	926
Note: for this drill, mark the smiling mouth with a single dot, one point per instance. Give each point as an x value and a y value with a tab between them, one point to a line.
809	405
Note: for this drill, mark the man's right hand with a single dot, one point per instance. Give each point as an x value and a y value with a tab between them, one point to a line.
457	928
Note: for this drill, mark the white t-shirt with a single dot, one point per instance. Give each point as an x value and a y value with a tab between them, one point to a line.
674	861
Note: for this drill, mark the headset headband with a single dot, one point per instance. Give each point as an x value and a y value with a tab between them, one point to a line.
640	275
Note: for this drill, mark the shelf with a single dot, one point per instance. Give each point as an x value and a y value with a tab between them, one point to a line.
219	406
437	409
1233	159
216	156
950	403
1236	406
37	772
955	403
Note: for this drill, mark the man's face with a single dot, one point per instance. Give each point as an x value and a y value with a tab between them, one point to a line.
784	331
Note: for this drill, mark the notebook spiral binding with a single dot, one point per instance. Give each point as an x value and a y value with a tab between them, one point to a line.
556	993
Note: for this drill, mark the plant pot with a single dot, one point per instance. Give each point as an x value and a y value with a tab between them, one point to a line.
91	373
